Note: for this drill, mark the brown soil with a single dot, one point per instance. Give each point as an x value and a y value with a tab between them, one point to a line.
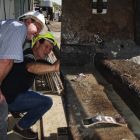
129	70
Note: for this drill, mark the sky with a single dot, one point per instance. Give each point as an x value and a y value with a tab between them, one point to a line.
58	1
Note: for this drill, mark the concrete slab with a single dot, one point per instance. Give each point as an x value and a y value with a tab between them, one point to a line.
55	117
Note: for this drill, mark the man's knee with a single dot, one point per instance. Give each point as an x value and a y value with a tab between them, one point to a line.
48	102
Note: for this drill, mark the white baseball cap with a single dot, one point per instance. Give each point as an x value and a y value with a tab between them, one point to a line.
38	17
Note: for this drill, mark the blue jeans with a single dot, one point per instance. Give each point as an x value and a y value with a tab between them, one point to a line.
34	104
3	120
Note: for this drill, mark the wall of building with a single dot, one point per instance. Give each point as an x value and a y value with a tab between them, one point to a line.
14	8
8	12
79	26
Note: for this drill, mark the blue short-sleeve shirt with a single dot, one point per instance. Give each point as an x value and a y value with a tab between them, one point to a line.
12	37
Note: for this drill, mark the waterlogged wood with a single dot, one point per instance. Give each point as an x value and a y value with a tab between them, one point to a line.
85	98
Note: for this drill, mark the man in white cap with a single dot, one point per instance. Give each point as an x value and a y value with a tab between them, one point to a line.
13	35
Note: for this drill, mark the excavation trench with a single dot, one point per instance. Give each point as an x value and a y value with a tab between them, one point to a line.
90	95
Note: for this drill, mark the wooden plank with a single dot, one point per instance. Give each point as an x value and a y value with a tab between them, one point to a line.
85	98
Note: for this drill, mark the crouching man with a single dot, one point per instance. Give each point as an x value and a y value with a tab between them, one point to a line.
16	86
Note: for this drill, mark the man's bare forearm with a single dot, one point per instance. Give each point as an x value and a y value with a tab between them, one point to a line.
2	98
38	68
5	67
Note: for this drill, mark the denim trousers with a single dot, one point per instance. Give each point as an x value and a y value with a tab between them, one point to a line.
34	104
3	120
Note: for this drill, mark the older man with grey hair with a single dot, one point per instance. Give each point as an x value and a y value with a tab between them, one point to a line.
13	34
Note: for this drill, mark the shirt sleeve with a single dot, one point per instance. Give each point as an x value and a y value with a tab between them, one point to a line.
11	46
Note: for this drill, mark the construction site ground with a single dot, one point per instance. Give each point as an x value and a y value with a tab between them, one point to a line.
84	97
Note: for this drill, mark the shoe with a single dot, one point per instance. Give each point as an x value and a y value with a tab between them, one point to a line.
17	114
26	133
